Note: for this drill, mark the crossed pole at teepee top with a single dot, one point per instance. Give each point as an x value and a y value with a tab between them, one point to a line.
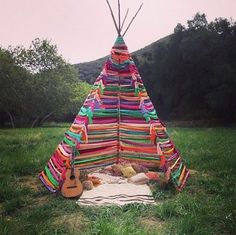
119	26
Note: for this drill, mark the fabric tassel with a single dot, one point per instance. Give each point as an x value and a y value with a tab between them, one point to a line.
77	145
63	174
163	161
74	135
153	136
69	142
159	152
136	90
84	134
168	174
141	103
153	133
147	117
101	87
87	112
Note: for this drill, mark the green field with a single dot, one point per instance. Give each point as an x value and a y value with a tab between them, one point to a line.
206	206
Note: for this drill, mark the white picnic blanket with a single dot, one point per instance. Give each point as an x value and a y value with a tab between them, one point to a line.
118	194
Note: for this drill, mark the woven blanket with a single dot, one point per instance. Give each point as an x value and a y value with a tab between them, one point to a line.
118	194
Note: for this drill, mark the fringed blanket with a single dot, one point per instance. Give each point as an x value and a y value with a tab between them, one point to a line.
118	194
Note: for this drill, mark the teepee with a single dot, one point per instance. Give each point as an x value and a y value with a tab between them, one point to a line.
116	123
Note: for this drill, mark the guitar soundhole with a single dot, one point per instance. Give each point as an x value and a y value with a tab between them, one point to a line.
72	177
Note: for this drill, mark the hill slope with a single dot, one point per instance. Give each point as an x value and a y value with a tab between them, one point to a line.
189	75
89	71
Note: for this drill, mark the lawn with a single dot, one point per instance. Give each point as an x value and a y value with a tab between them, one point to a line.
206	206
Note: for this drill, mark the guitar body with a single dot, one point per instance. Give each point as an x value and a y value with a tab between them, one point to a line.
72	186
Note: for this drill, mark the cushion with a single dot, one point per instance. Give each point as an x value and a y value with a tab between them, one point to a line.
153	175
140	178
127	171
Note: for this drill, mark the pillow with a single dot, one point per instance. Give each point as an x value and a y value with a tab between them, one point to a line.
139	168
127	171
95	180
153	175
116	168
140	178
87	185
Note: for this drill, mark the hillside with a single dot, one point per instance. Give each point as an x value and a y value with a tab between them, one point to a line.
189	75
89	71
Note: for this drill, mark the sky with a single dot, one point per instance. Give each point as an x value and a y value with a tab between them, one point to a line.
83	30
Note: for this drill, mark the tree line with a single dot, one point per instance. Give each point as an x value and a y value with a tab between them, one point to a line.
191	75
37	84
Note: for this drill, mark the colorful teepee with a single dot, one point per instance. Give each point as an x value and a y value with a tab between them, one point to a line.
116	123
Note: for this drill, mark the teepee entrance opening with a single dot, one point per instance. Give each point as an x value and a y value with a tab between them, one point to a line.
117	126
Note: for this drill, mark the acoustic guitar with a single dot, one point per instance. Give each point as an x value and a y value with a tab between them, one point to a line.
72	186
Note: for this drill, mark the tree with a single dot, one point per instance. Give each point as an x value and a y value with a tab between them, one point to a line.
40	83
13	87
194	71
199	21
40	57
221	26
179	28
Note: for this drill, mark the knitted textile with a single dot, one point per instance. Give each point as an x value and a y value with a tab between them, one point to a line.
116	123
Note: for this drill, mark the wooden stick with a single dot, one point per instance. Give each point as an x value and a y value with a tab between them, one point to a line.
126	14
132	20
113	17
119	14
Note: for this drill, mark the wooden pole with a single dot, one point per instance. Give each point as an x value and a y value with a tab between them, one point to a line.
113	17
118	122
132	20
126	14
119	15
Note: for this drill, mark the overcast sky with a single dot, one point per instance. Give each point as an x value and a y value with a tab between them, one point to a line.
83	29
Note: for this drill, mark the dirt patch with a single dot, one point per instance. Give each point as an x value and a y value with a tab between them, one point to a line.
152	223
41	200
193	172
71	222
197	173
31	182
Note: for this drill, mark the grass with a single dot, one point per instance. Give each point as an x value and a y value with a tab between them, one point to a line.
206	206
